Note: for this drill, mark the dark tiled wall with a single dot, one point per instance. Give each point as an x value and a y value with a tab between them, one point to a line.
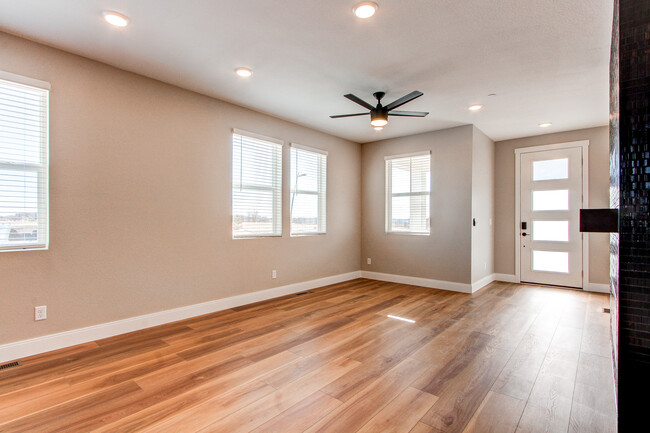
613	188
634	218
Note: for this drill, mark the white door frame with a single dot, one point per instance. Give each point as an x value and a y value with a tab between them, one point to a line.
584	144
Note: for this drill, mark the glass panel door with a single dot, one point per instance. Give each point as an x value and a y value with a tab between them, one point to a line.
551	198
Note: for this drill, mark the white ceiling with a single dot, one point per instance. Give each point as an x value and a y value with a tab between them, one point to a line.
546	60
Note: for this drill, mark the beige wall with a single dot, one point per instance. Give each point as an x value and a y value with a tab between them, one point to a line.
598	196
482	205
140	201
445	254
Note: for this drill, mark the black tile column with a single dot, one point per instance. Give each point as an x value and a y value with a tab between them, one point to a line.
633	292
614	175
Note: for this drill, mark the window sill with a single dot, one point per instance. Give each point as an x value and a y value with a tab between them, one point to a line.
410	233
256	237
14	248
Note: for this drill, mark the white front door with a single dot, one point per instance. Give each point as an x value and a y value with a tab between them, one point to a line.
551	197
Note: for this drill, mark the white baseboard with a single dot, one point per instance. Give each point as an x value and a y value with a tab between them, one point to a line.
418	281
506	278
428	282
24	348
597	287
591	287
478	285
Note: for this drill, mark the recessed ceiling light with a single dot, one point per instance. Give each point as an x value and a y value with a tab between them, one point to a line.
545	124
378	128
113	18
365	9
243	72
475	107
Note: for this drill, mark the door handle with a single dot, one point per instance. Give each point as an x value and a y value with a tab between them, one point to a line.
524	234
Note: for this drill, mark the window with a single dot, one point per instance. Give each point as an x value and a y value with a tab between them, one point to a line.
256	185
408	193
308	190
23	163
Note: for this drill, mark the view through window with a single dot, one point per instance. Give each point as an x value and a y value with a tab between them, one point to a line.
408	193
308	190
23	163
256	186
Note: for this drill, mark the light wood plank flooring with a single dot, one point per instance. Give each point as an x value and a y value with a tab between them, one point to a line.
509	358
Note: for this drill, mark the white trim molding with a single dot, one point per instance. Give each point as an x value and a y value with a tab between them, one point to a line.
506	278
478	285
34	346
597	287
418	281
309	149
25	81
428	282
24	348
257	136
407	155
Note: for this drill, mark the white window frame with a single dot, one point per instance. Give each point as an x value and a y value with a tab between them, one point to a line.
390	194
41	168
321	193
275	189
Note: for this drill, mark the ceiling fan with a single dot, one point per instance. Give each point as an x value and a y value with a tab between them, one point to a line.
379	114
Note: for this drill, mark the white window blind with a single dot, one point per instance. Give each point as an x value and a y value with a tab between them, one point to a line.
408	193
23	163
256	186
308	190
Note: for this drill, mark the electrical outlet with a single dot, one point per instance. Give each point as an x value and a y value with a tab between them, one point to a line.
274	274
40	313
369	261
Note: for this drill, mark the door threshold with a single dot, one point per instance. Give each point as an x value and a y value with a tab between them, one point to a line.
530	283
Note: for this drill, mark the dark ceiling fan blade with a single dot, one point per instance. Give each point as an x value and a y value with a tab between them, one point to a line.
348	115
359	101
408	113
403	100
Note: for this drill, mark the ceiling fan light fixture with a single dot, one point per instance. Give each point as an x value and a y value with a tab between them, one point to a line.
365	10
379	121
115	19
378	128
379	114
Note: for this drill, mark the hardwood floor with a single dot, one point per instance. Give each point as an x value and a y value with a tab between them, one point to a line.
510	358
